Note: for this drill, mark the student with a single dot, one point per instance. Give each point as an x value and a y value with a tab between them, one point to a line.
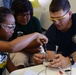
26	23
61	33
7	25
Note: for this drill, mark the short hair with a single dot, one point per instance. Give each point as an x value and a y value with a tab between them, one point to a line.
19	6
57	5
3	13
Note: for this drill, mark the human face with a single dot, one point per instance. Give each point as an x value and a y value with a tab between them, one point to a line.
23	18
8	27
61	19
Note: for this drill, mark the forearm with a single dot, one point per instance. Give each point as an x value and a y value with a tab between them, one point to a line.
33	50
21	42
33	44
5	46
33	47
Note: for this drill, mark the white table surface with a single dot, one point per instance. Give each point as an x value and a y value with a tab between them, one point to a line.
34	70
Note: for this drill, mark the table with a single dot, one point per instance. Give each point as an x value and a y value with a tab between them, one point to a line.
35	70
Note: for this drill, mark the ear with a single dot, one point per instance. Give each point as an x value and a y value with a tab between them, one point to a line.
70	14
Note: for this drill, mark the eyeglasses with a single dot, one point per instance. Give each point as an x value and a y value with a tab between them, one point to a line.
59	18
8	27
24	14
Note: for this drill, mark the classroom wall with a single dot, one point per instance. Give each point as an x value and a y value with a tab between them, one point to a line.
43	13
73	5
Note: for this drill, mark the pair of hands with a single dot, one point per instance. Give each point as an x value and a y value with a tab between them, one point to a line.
58	61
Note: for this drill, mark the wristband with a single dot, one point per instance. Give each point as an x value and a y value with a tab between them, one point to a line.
71	59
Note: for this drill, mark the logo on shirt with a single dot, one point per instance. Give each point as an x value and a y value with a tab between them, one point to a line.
74	38
3	60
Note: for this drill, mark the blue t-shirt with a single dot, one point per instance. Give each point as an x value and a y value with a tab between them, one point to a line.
7	3
3	61
62	39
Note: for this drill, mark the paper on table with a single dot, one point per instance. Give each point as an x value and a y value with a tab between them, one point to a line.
29	72
48	71
37	69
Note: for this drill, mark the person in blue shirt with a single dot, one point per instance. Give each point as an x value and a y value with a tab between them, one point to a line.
6	3
26	23
61	33
7	25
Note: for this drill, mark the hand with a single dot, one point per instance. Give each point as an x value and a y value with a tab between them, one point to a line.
38	58
60	61
42	39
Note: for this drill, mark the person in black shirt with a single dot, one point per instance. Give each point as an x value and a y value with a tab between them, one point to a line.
61	33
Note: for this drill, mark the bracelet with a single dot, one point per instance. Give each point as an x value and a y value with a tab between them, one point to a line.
71	59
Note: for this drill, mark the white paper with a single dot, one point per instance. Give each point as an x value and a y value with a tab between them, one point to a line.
29	72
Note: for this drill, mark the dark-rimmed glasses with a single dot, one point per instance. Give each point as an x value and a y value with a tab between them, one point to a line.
24	14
